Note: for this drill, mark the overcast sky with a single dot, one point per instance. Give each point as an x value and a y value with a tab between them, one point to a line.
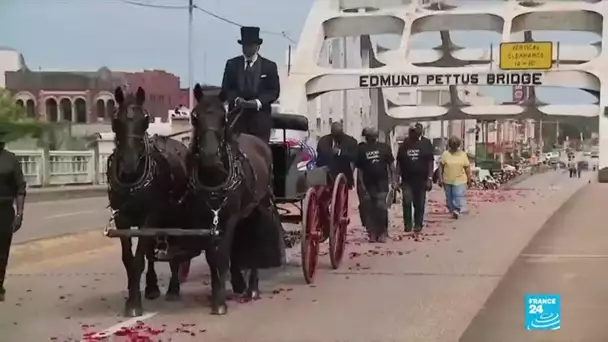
88	34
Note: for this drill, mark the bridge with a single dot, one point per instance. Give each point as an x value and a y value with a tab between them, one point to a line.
370	74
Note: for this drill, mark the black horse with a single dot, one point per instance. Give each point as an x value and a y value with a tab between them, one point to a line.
147	177
230	193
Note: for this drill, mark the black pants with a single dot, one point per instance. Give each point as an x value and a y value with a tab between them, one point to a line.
362	203
255	123
7	216
414	195
374	209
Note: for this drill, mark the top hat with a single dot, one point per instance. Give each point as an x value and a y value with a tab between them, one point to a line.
250	35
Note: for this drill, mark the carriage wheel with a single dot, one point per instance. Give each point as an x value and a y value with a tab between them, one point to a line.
184	270
311	234
339	221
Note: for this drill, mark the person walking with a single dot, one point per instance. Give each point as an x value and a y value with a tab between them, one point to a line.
338	151
251	82
361	189
571	167
12	199
415	168
455	175
375	169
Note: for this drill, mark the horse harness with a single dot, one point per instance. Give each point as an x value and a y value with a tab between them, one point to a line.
217	197
151	171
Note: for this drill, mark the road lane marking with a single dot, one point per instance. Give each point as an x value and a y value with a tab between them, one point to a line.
567	256
75	213
130	323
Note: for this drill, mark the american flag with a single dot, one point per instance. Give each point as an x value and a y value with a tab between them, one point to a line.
310	155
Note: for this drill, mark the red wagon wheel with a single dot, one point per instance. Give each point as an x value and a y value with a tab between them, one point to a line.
339	221
184	270
311	234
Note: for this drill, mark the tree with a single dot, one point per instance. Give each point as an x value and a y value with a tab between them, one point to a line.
14	124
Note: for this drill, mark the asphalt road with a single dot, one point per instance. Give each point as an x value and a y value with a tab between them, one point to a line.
569	257
406	290
53	218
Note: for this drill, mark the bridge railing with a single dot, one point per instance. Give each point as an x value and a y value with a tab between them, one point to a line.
52	168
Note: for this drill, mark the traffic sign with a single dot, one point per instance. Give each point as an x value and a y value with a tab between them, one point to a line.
526	56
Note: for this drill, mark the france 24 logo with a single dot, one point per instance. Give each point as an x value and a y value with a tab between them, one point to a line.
543	312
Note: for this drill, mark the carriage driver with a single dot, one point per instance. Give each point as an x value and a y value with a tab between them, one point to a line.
252	82
12	198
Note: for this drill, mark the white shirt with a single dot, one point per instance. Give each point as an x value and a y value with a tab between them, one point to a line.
251	61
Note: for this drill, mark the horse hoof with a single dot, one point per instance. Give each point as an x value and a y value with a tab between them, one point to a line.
133	311
152	293
172	296
219	310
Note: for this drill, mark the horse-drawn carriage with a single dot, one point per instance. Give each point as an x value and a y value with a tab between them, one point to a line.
318	203
219	190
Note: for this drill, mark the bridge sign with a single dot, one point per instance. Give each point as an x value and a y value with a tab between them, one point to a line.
526	56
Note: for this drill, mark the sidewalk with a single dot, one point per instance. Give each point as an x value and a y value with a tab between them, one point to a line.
54	193
569	257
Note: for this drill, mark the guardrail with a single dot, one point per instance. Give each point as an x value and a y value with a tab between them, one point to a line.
55	168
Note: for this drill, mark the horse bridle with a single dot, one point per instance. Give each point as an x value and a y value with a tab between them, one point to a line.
148	174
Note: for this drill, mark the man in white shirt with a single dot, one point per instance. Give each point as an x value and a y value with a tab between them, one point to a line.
251	82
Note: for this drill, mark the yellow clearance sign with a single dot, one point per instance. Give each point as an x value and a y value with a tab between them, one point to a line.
526	56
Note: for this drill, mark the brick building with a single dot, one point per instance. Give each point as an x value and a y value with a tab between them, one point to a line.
87	97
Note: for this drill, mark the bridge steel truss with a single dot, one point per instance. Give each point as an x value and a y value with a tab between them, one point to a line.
575	66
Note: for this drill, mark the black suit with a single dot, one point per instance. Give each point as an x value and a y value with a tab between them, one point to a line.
261	83
338	163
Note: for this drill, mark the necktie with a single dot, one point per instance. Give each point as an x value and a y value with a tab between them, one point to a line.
249	75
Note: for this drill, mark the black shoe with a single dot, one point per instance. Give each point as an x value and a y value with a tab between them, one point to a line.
373	238
382	238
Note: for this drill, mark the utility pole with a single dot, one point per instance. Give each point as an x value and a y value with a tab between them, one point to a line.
190	57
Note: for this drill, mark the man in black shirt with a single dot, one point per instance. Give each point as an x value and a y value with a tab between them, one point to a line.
376	171
415	166
12	192
361	189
